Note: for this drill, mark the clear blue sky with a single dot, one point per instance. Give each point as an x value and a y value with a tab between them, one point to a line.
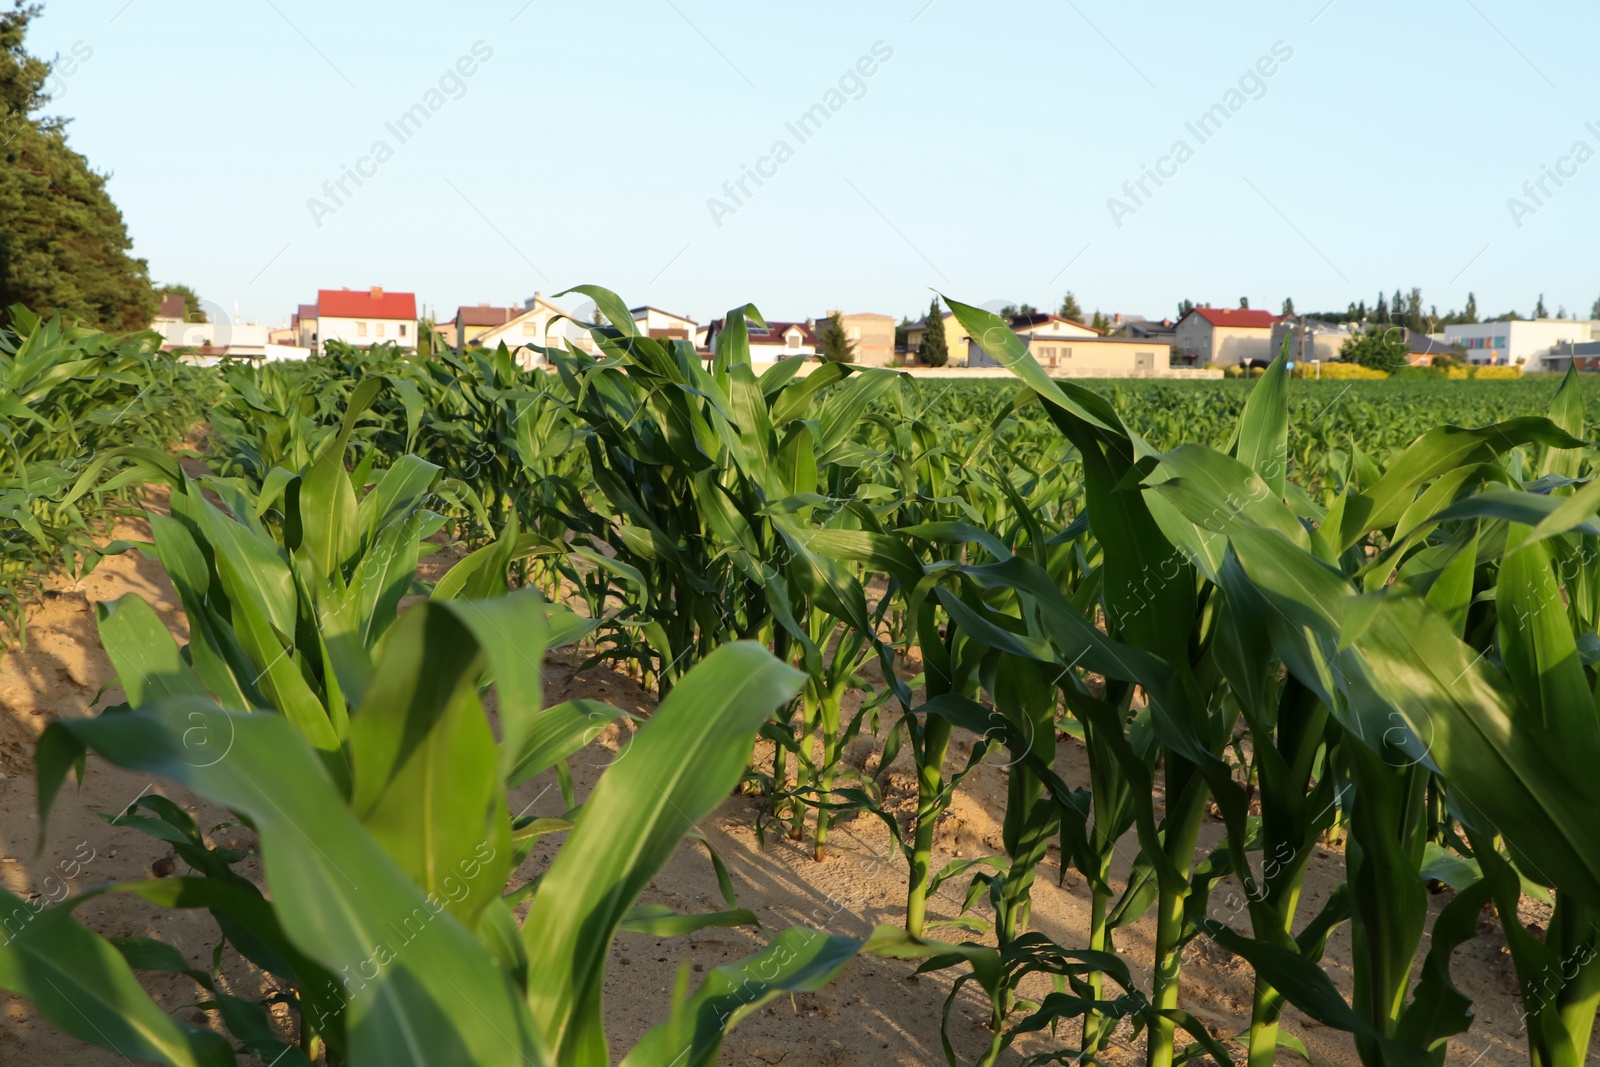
978	159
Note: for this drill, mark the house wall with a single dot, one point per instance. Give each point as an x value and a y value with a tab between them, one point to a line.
1510	343
1088	357
1325	342
179	334
364	333
874	338
1222	345
653	323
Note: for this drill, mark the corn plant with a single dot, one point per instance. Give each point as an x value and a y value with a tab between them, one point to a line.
66	393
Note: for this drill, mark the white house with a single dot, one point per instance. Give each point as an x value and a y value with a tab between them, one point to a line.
653	322
1519	343
366	317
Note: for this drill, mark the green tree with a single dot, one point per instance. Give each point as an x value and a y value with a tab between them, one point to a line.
1100	322
1380	314
1071	309
1244	303
1288	307
1594	312
836	344
63	243
1539	311
1184	307
192	311
935	346
1414	318
1382	349
1469	314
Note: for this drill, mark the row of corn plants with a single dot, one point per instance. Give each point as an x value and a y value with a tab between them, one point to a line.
67	393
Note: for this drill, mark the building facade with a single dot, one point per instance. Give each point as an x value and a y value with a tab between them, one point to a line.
653	322
1525	344
366	317
1224	336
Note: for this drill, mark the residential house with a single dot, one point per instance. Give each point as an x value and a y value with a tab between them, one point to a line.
1069	349
173	307
1319	341
471	323
955	337
1224	336
366	317
779	340
1519	343
304	322
1423	349
872	334
535	324
1585	355
653	322
1143	329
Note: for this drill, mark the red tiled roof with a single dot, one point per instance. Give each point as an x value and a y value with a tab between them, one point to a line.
173	305
486	316
371	303
1245	318
308	312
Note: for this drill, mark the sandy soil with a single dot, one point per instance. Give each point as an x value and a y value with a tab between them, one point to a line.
878	1012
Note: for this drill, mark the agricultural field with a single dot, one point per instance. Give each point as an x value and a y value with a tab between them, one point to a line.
398	710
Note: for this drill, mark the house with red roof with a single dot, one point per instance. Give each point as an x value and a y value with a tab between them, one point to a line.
1224	336
366	317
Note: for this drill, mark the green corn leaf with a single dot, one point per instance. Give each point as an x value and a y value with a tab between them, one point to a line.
423	761
420	988
683	763
84	985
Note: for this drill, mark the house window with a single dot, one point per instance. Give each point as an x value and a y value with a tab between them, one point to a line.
530	329
855	333
402	329
361	329
380	329
794	341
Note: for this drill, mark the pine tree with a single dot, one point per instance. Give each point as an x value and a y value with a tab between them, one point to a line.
1186	306
1244	303
1380	314
1288	307
1594	312
1071	310
1099	322
935	346
1539	311
1470	313
63	243
836	344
